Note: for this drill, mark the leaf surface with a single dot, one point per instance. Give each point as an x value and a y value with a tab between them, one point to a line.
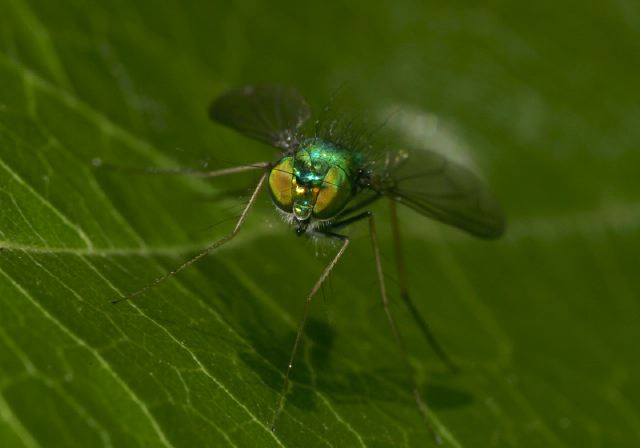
542	322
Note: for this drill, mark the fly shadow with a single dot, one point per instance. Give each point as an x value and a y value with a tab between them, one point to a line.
316	368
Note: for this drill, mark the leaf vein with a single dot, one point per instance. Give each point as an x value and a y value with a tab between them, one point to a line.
103	362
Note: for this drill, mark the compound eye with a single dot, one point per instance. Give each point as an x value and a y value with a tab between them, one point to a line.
334	194
281	184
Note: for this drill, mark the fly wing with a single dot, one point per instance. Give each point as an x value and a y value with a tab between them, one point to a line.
443	190
272	114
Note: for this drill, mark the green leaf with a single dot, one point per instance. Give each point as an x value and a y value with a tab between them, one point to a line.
542	99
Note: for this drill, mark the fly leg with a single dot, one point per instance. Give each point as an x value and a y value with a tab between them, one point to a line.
225	239
305	313
404	293
152	170
392	323
396	333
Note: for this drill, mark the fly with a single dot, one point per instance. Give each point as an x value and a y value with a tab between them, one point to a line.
321	184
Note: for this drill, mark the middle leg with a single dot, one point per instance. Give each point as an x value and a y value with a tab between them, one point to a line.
392	323
396	332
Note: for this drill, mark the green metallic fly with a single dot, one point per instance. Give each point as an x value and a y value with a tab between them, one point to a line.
325	180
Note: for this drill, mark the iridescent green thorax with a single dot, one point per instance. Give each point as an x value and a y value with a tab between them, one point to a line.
320	176
316	156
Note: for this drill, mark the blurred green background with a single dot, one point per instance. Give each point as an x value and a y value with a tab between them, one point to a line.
542	99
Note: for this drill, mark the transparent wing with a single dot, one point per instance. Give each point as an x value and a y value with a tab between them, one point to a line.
272	114
436	187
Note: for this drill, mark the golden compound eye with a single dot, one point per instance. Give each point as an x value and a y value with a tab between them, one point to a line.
334	195
281	184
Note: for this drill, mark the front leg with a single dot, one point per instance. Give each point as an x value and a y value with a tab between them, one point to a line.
303	320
